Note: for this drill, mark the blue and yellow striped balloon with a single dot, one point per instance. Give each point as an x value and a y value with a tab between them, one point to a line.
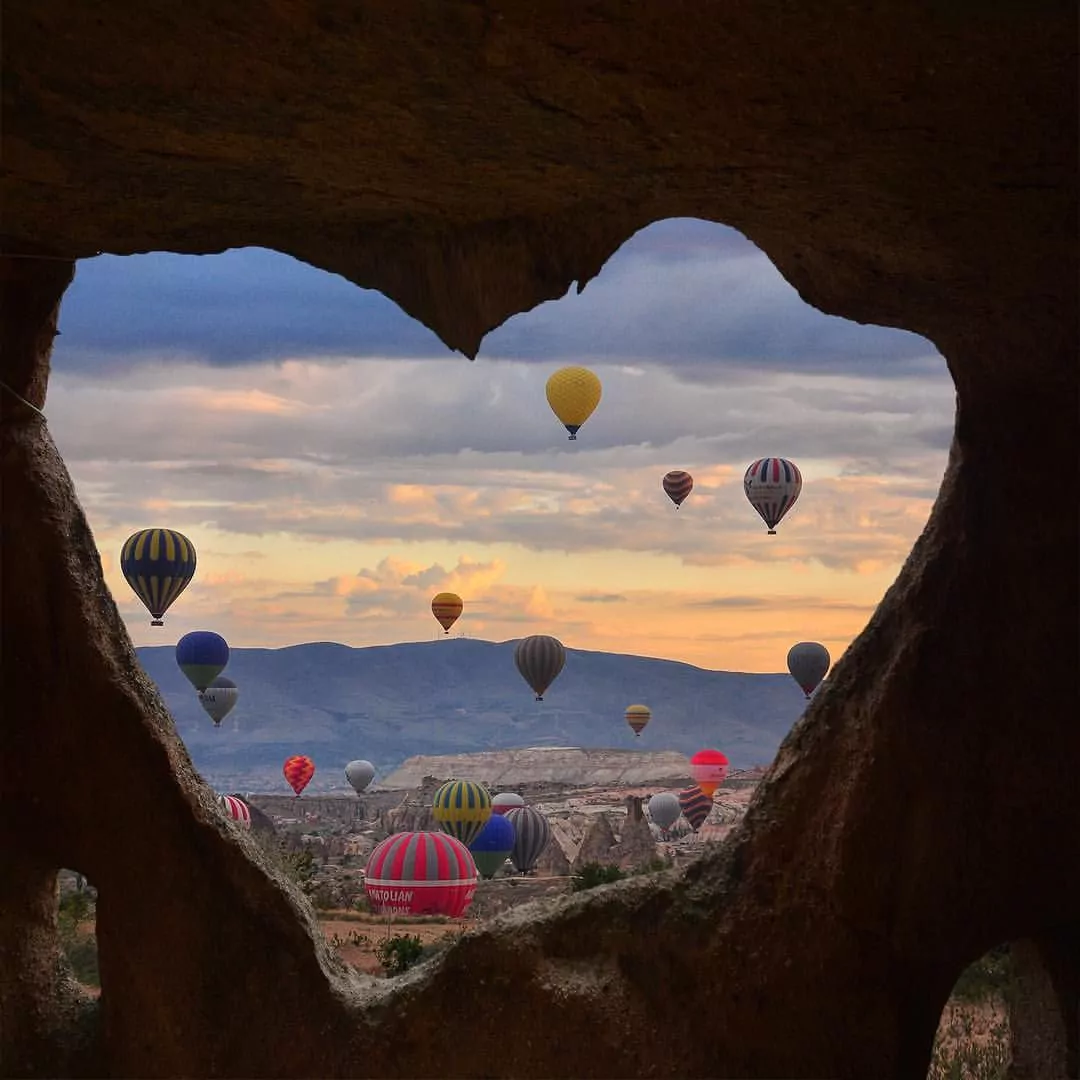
158	565
462	808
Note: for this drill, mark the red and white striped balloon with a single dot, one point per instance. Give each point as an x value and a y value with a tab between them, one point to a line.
236	809
420	873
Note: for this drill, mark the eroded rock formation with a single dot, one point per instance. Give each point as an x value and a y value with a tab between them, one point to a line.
909	166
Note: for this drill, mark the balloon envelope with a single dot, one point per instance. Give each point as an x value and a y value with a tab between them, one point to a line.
158	565
696	806
359	773
219	698
236	809
772	485
539	659
446	607
532	833
708	768
461	808
202	656
492	845
420	873
664	809
637	716
808	661
573	393
505	800
298	772
678	484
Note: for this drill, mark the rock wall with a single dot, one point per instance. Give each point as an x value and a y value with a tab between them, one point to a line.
912	166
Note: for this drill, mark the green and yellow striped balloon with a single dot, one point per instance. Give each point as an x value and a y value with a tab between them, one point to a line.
461	808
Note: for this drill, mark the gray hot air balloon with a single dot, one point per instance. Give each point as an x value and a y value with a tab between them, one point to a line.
539	659
359	773
664	809
219	698
531	835
808	661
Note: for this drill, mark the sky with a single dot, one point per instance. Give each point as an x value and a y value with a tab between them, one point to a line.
336	465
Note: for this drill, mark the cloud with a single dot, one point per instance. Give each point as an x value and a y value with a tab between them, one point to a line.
600	598
342	461
692	296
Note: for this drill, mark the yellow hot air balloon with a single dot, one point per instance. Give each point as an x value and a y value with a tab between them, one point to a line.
637	716
573	393
446	607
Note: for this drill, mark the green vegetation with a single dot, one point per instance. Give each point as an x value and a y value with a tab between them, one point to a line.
78	943
399	953
591	874
986	978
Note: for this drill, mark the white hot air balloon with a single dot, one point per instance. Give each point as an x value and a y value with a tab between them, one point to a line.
664	809
359	773
219	698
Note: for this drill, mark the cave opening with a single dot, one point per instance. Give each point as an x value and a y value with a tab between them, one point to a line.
76	900
288	418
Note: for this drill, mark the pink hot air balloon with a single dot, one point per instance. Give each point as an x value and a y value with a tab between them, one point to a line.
420	873
708	768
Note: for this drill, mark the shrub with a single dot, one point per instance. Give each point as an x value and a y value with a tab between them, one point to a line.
399	953
589	875
986	978
80	947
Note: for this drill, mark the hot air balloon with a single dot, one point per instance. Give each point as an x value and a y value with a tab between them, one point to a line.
219	698
420	873
158	564
492	845
236	809
664	809
531	835
772	485
573	393
808	661
695	805
539	659
202	656
359	773
298	771
461	808
446	607
678	485
506	800
637	716
708	768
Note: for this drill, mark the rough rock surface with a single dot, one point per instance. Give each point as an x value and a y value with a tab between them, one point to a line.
599	839
567	765
907	165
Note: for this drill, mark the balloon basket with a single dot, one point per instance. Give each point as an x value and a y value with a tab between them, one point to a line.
156	622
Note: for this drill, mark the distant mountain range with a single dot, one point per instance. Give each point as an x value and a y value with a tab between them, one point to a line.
458	695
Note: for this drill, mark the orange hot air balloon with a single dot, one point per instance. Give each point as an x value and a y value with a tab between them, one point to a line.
446	607
298	771
708	768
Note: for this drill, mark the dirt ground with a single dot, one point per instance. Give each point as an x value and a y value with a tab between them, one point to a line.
356	937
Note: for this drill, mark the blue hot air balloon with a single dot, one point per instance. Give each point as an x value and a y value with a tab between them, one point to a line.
493	844
202	656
